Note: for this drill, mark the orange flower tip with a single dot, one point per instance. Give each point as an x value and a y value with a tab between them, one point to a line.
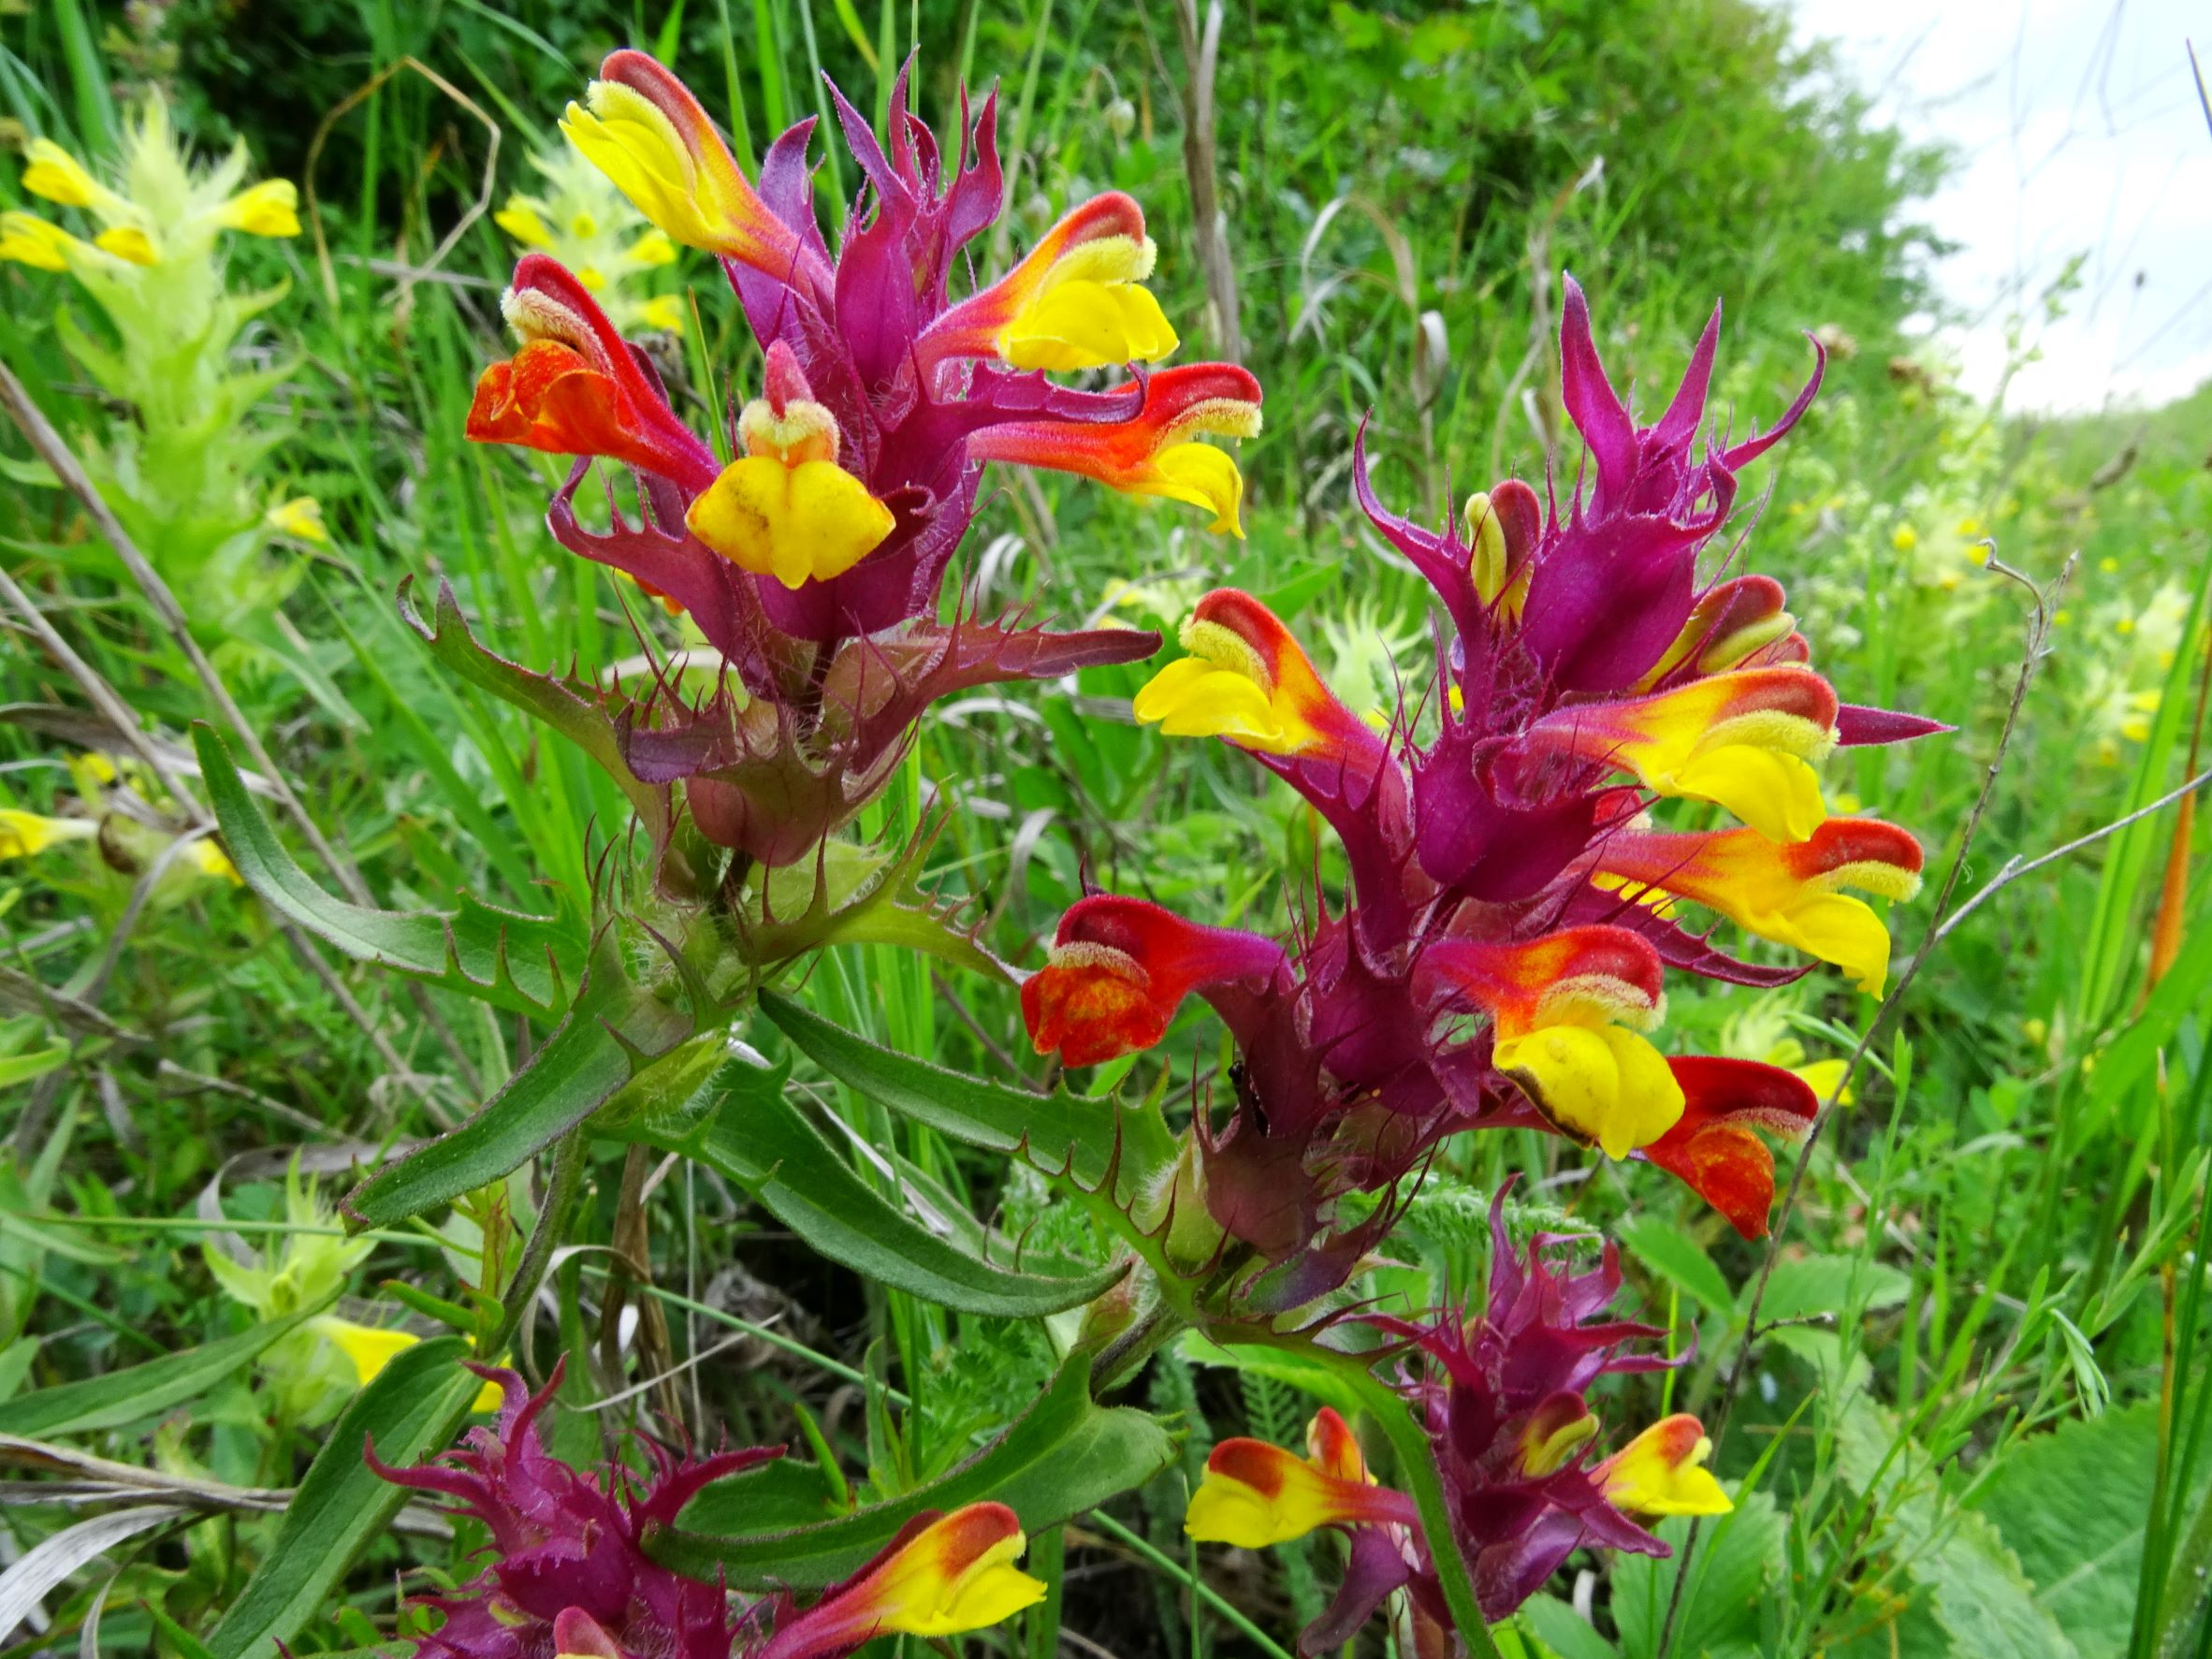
1662	1472
1092	1003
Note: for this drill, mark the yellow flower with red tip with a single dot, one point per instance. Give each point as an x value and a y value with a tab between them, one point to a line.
1663	1471
642	127
785	508
1745	740
1155	452
1076	301
1566	1011
946	1574
1247	680
1254	1495
1788	894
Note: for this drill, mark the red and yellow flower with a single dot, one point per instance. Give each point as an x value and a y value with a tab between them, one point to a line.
1155	451
1077	300
1712	1148
1745	740
574	387
1566	1010
1254	1495
1248	680
1120	968
943	1574
643	128
1662	1472
1788	892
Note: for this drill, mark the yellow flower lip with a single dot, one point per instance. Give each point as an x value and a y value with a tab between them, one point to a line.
1254	1495
1662	1472
785	508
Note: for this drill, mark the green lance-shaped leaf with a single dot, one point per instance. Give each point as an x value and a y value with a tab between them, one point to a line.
1064	1455
140	1391
766	1146
1061	1134
617	1034
522	964
411	1410
571	709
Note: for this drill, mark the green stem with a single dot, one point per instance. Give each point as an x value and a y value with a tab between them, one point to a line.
571	1155
1177	1571
1416	1462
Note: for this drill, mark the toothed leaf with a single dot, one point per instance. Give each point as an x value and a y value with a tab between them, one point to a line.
616	1033
570	708
1087	1141
1064	1455
764	1142
522	964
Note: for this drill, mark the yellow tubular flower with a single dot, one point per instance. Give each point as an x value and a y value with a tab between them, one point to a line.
372	1348
28	240
270	208
127	241
60	176
26	835
1662	1472
522	221
642	127
944	1574
1745	740
1248	679
1255	1494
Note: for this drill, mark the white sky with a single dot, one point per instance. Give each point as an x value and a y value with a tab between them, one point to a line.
2078	131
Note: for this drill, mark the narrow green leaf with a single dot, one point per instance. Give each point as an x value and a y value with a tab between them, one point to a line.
1066	1454
1057	1133
591	1056
767	1146
413	1410
523	964
139	1391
